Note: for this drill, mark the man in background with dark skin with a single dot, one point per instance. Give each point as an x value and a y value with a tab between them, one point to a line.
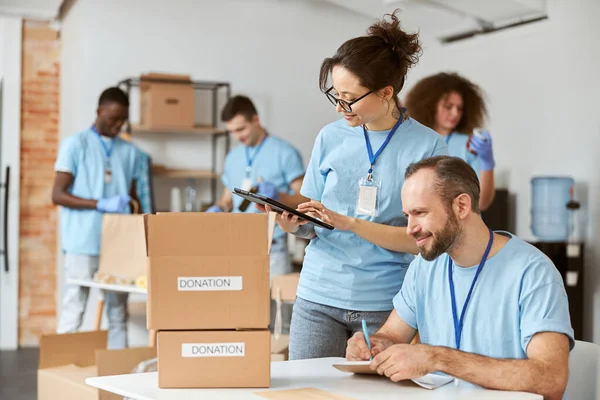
94	175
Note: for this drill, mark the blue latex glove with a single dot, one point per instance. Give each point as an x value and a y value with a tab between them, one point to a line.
484	151
214	209
115	204
269	190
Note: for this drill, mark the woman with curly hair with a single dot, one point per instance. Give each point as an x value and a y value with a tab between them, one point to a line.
453	106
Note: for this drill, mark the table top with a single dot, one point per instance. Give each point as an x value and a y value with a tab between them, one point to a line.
316	373
106	286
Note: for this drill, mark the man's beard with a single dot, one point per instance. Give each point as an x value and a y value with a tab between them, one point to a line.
442	240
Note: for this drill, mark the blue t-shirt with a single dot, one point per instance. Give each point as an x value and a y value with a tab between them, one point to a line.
341	269
457	147
277	162
83	156
518	293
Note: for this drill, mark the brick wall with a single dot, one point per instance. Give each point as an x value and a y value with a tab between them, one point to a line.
39	144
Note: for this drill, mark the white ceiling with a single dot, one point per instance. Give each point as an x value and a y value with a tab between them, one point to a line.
445	18
432	18
35	9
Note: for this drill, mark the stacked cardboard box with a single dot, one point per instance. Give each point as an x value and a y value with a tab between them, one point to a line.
208	298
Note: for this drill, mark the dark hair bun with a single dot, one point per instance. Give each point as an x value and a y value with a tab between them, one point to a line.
380	59
405	45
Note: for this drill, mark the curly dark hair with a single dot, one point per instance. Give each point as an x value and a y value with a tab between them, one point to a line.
380	59
421	101
113	95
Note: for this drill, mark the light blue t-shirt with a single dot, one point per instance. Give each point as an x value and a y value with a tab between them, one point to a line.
518	293
83	156
457	147
277	162
341	269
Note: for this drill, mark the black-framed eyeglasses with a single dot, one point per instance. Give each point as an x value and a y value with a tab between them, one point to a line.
346	105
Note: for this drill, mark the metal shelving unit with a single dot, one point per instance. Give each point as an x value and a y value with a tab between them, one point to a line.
211	130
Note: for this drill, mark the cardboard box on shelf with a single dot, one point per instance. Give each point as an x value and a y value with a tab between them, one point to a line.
207	271
280	348
167	105
67	360
214	359
286	285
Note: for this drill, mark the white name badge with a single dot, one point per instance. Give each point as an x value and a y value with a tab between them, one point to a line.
107	176
246	184
368	191
367	200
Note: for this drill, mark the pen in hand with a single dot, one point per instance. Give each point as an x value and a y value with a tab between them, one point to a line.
366	333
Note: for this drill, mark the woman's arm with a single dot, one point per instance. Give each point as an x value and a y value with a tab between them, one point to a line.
393	238
488	189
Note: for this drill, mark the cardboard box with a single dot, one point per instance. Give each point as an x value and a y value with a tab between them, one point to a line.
280	348
214	359
286	285
207	271
67	360
166	105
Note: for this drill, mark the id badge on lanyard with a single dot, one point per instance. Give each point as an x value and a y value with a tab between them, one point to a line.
107	154
247	182
107	172
369	188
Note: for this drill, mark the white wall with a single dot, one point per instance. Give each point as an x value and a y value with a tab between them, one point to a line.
10	71
270	50
540	79
542	83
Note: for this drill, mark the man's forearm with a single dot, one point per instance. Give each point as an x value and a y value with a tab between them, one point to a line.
70	201
533	376
393	238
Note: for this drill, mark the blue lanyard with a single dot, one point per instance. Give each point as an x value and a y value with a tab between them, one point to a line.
107	150
448	137
250	160
458	323
373	158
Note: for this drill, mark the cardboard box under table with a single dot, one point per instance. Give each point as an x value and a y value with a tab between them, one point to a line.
67	360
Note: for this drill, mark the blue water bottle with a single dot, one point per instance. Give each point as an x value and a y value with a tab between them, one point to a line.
549	213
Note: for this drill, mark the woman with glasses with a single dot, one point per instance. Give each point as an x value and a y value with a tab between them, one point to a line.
356	169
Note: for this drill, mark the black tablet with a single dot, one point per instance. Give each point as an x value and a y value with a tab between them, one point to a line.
280	208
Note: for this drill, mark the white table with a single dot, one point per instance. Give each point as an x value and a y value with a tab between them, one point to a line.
317	373
105	286
111	288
